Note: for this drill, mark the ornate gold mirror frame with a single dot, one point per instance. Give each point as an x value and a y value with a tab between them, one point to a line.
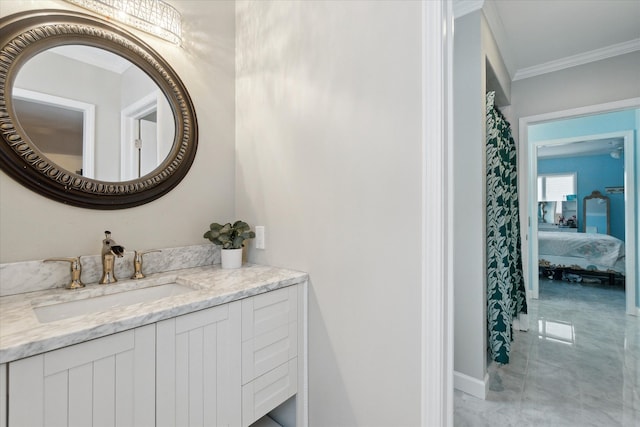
24	35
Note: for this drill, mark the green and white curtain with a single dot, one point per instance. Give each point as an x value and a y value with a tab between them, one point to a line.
506	294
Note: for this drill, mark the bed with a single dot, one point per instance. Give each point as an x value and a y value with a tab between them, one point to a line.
582	254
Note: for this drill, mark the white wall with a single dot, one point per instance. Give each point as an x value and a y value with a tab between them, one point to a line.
328	135
609	80
478	67
33	227
497	78
135	85
469	201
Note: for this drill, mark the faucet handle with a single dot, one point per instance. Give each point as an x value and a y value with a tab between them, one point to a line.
117	250
76	271
137	262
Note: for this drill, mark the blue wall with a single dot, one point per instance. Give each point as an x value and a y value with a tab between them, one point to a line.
589	125
593	173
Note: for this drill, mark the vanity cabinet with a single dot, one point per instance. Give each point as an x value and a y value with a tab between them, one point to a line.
106	381
270	335
198	371
226	365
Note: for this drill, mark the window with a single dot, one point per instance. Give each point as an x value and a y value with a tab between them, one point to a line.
556	187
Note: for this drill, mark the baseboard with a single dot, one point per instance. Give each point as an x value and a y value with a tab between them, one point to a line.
470	385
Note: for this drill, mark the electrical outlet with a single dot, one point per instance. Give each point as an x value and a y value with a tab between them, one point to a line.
260	244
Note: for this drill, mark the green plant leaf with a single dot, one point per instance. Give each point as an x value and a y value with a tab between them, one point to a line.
248	235
241	226
237	242
215	226
229	236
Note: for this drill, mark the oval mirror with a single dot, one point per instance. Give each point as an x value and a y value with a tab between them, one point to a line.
89	114
72	120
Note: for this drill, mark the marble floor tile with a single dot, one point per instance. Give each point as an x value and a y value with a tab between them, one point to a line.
577	365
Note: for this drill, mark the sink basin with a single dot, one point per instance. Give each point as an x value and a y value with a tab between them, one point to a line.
65	310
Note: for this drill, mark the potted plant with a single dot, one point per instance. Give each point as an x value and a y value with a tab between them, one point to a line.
231	239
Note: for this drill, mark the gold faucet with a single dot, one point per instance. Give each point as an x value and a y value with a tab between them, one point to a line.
137	263
110	250
76	271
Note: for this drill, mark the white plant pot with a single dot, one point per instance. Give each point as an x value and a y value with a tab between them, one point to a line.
231	258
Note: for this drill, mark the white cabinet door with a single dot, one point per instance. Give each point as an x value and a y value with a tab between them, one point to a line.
198	368
104	382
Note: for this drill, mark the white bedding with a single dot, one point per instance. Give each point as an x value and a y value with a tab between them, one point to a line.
587	250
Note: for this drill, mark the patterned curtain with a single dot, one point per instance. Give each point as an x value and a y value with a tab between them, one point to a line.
506	294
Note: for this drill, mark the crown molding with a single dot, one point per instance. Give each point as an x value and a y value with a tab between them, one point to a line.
579	59
464	7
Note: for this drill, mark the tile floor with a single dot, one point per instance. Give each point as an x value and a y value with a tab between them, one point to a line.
578	365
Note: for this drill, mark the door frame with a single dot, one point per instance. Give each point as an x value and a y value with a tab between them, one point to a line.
436	376
129	133
88	122
529	167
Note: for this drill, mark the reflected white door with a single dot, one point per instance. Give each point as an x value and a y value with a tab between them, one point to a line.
148	152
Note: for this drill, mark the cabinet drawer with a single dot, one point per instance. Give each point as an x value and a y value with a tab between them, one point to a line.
266	312
269	350
266	392
269	332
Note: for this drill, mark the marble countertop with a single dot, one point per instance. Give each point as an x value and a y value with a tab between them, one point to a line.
23	335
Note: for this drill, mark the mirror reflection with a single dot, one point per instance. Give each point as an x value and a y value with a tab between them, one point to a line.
546	212
93	113
596	213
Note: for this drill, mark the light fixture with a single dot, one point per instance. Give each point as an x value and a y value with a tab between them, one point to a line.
616	153
153	16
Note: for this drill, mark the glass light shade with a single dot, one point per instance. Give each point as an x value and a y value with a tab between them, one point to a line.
153	16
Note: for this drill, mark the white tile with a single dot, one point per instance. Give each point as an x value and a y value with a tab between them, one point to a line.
578	365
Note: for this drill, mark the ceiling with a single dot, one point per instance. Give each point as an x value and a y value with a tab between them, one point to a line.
593	147
537	37
94	56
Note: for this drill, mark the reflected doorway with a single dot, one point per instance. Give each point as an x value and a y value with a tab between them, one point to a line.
143	142
61	128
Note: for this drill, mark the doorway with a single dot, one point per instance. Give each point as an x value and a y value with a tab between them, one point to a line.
61	127
529	209
141	150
